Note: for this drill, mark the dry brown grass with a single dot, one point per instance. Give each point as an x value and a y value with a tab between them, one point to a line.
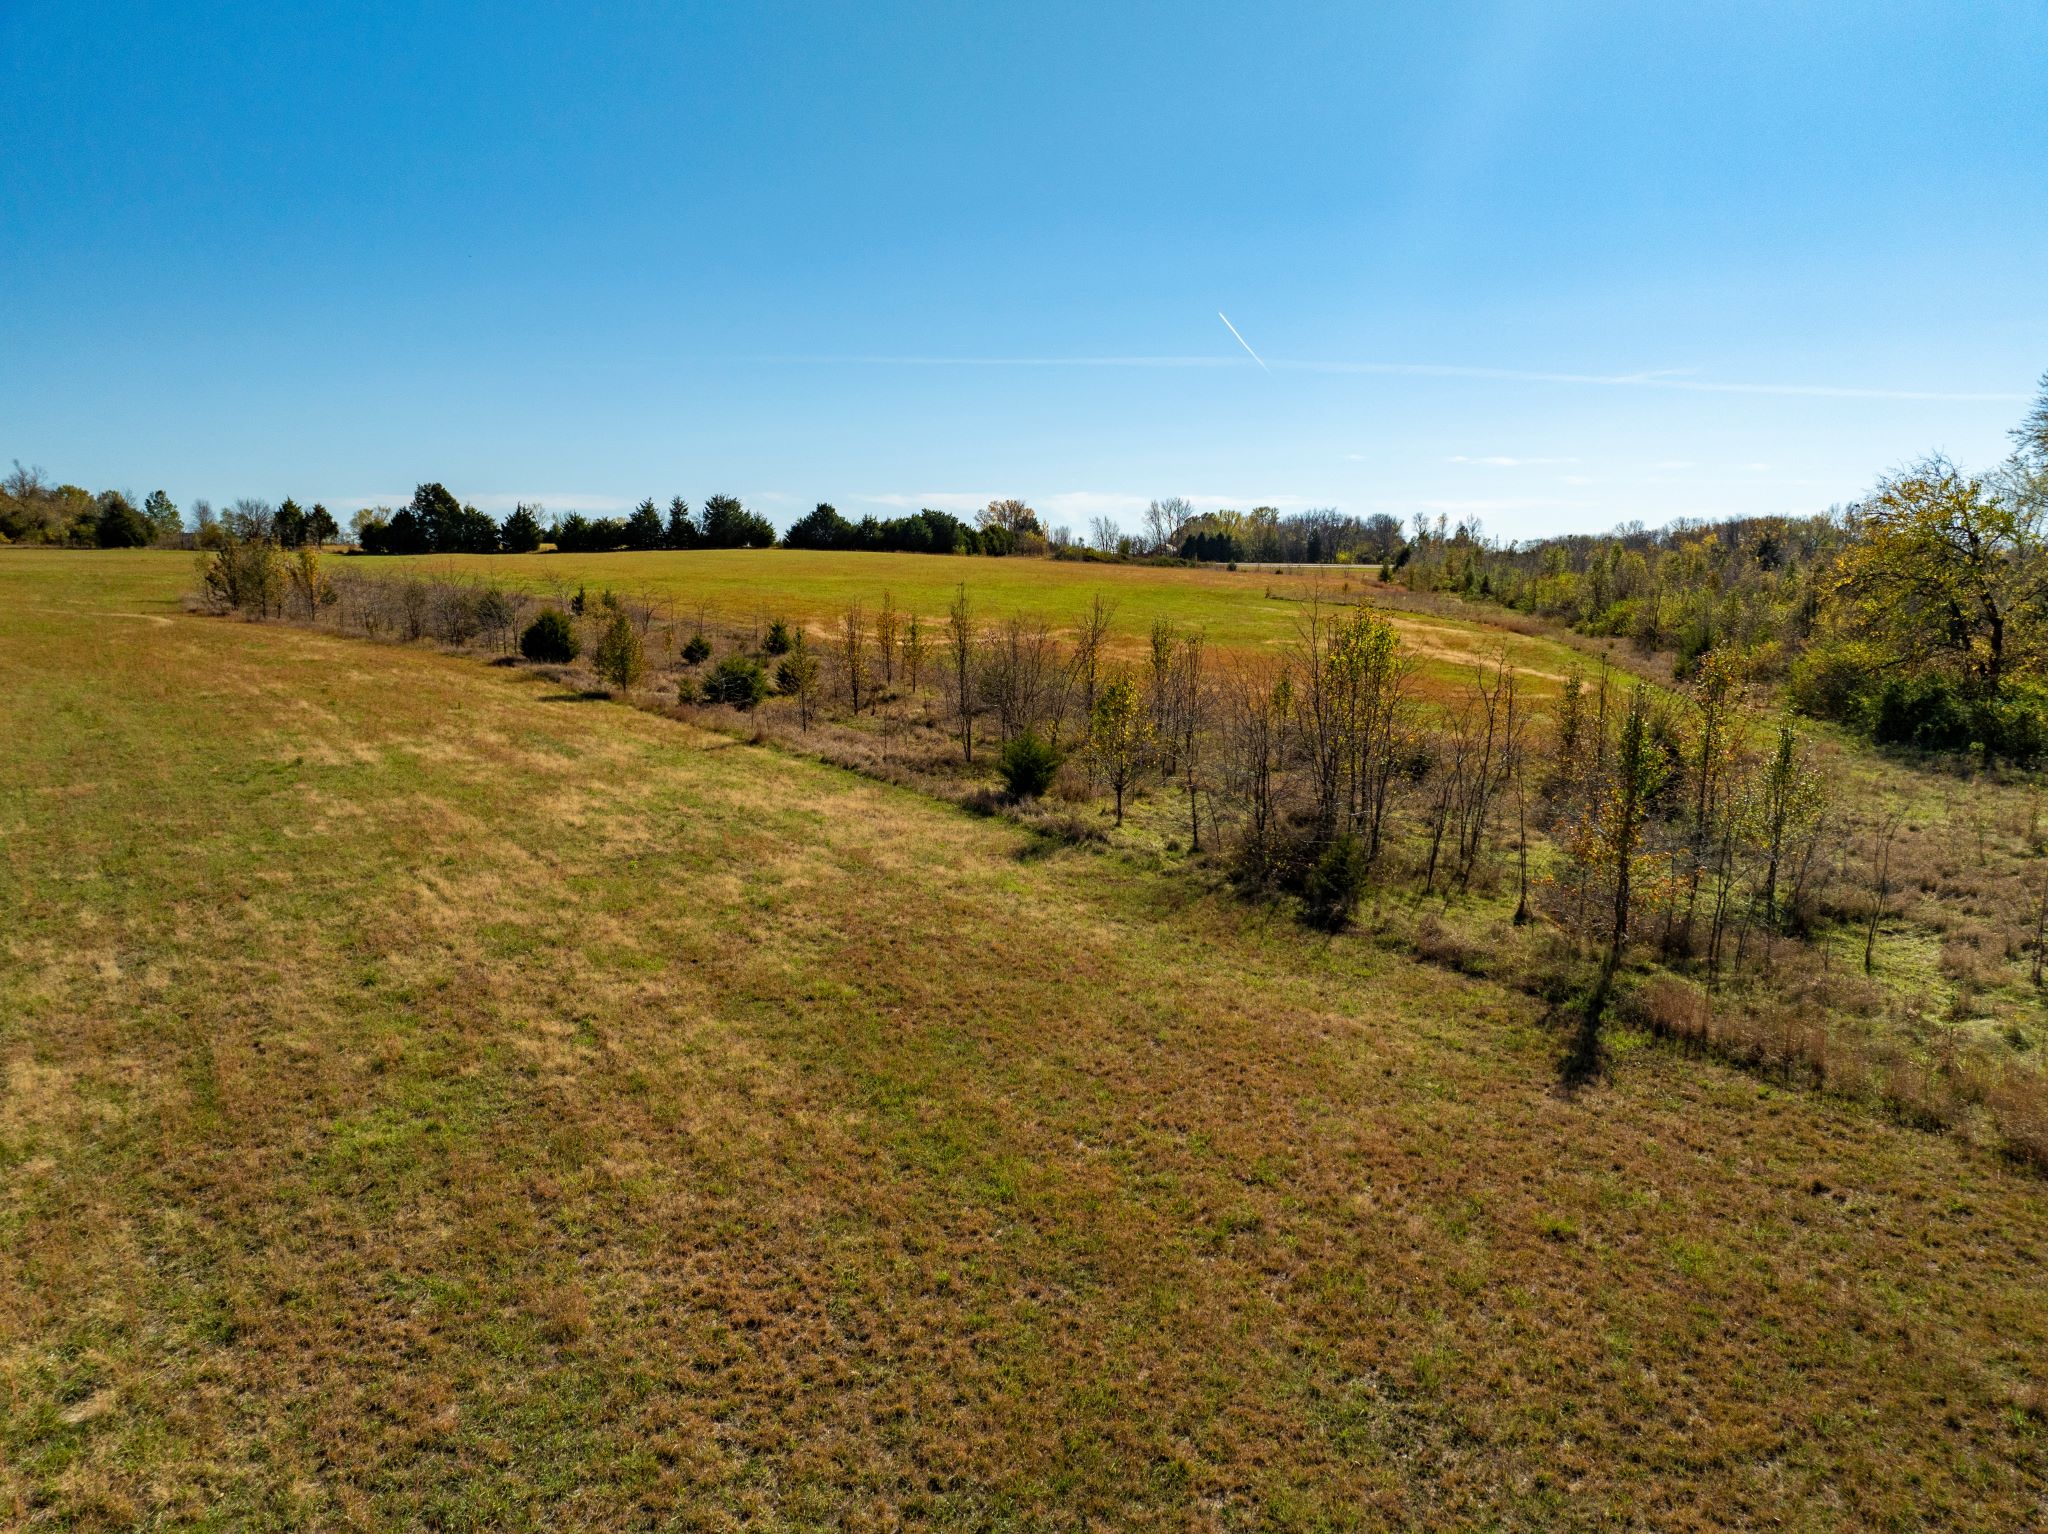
609	1124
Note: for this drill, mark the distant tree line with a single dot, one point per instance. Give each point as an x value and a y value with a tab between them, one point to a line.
434	522
1917	616
34	511
922	532
1264	535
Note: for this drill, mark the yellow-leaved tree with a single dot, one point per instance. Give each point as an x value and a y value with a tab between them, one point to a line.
1944	571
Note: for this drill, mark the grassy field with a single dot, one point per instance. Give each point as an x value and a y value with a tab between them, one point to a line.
432	1100
1245	611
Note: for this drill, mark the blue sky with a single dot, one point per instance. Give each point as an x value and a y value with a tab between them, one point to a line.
1553	266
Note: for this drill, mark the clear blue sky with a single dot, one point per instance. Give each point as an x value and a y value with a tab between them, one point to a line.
890	255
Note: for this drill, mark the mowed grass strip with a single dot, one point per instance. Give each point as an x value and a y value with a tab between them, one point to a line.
427	1103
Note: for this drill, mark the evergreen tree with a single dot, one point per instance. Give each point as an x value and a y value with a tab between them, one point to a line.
682	528
321	528
521	532
644	528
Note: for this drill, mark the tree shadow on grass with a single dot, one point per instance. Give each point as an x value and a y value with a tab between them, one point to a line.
590	695
1585	1057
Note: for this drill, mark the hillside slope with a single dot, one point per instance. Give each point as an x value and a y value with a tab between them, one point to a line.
435	1099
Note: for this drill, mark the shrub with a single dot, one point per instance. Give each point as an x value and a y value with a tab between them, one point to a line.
1027	764
550	637
1833	683
246	577
737	681
1335	882
620	659
1924	711
2014	726
697	650
777	642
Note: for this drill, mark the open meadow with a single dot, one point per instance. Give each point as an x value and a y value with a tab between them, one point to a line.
1242	612
437	1097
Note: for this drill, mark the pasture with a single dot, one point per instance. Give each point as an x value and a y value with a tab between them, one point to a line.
431	1100
1243	612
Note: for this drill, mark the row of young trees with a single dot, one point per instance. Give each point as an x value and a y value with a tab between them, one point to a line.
1616	822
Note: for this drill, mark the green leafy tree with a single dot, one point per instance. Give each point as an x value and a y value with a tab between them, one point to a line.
1785	807
1943	574
682	532
162	512
1120	736
621	659
797	677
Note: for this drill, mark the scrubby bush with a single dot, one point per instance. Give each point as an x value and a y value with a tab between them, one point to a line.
550	637
2015	726
1834	682
244	577
696	650
777	642
738	682
1335	882
1027	764
1924	711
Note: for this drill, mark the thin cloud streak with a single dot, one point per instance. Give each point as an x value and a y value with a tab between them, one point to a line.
1656	379
1071	503
1241	341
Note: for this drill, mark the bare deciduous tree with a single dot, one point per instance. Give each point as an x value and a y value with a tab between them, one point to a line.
853	655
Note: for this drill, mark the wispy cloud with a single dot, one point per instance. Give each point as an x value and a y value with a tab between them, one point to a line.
1496	503
1058	505
1665	378
1502	461
561	500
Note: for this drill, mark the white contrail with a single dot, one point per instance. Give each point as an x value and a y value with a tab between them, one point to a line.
1241	341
